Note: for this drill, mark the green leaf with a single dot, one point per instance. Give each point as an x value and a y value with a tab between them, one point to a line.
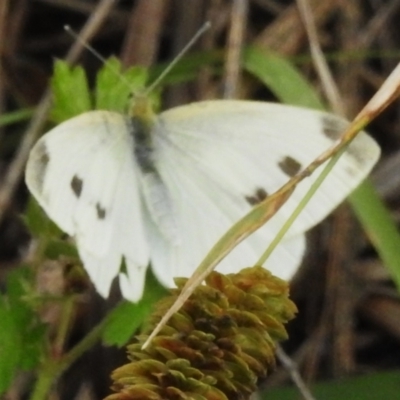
22	335
71	94
281	77
127	317
51	237
33	346
379	226
37	221
57	247
18	283
114	87
10	346
368	387
189	67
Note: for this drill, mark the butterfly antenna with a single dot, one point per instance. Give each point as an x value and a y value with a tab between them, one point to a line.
190	44
70	31
194	39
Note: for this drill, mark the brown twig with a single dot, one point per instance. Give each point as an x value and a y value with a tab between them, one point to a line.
321	66
234	48
142	38
4	5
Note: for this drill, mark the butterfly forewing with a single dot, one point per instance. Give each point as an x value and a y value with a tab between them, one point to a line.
84	175
250	149
219	158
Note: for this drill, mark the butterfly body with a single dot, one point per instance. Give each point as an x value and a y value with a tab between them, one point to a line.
161	190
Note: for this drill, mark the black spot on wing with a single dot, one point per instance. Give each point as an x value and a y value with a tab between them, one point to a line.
101	211
333	127
351	170
77	185
42	159
257	197
289	166
358	153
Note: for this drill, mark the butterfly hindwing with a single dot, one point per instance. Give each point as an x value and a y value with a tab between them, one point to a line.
204	212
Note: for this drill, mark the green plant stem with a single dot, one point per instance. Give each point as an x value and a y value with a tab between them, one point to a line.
307	197
379	226
16	116
64	325
51	370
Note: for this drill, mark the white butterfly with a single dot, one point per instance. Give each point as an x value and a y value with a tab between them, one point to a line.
162	191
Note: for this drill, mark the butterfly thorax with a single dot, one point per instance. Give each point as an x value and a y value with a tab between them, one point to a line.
143	145
142	121
142	109
155	193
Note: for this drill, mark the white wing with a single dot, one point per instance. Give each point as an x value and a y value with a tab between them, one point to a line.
84	176
216	157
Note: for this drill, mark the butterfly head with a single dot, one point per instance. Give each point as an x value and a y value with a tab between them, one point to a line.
142	108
